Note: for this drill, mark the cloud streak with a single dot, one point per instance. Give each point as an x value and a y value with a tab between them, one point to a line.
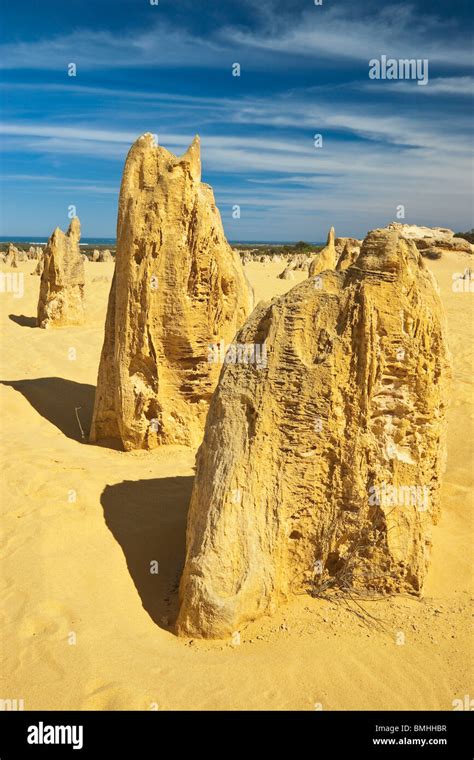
319	34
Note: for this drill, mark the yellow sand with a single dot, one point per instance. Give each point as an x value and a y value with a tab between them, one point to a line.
79	570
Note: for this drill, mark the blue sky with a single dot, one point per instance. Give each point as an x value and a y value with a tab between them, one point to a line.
167	69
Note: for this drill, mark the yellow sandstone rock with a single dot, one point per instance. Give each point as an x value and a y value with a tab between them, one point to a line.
61	296
178	287
321	468
39	267
13	256
349	253
429	239
341	242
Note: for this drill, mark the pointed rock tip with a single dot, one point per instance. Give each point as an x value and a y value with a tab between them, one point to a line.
74	228
331	236
194	149
149	139
57	232
193	157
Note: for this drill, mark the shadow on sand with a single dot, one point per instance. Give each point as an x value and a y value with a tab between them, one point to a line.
23	320
56	399
148	519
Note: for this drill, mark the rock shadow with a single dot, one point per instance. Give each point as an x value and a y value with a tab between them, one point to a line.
148	519
23	320
57	399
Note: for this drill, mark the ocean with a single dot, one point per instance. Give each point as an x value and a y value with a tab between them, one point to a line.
39	240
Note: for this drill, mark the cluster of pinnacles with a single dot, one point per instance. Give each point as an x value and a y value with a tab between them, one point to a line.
303	455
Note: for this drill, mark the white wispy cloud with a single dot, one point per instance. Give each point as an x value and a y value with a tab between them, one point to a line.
54	182
348	33
321	33
458	86
290	161
293	111
71	133
90	49
282	144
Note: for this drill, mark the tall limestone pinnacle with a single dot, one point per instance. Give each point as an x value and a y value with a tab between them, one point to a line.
178	288
61	296
326	258
322	469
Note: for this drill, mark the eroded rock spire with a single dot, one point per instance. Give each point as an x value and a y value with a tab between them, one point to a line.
178	288
61	297
322	469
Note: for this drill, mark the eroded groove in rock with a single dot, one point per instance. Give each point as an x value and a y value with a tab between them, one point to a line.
325	465
178	287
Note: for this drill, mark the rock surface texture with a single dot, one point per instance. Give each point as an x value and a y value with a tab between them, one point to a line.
61	297
426	238
341	243
322	469
178	289
348	254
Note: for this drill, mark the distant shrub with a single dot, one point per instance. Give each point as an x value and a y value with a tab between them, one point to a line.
432	253
302	246
469	235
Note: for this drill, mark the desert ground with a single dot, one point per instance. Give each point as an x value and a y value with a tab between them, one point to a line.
86	626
